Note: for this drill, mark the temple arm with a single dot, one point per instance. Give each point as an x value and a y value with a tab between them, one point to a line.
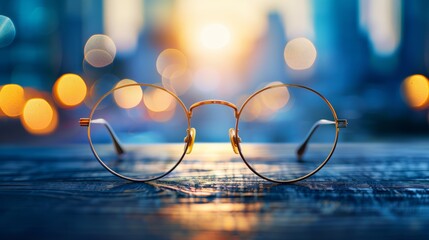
119	149
342	123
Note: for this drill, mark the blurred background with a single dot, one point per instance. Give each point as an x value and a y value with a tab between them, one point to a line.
369	58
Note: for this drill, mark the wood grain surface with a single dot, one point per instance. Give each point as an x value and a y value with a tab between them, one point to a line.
366	191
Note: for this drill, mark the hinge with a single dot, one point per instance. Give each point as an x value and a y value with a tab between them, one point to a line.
84	122
342	123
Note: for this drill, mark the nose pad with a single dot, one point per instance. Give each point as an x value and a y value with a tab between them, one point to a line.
190	139
233	139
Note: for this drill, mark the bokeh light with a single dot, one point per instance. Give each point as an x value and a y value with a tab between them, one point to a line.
176	81
163	116
100	50
172	65
220	33
172	60
12	100
416	91
300	54
39	117
265	104
253	109
215	36
128	97
275	98
7	31
157	100
99	87
69	90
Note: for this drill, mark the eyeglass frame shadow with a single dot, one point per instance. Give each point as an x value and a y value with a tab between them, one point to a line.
86	122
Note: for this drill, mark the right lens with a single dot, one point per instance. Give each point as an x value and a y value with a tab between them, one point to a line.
149	123
273	125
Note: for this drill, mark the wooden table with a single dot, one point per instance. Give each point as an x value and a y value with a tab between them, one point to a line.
377	191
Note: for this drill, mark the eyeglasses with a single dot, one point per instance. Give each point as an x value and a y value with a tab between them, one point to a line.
284	132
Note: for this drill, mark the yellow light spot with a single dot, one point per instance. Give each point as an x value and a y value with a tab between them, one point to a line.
173	59
158	100
39	117
416	91
300	54
12	100
100	50
69	90
128	97
215	36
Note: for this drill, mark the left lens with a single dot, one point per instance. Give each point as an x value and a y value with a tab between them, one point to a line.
149	123
274	124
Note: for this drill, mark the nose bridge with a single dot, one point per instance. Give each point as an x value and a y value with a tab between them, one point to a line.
213	101
232	134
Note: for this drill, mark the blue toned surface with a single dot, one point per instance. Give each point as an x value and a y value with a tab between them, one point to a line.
365	191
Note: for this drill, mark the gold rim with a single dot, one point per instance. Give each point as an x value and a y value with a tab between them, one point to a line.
235	138
287	85
98	157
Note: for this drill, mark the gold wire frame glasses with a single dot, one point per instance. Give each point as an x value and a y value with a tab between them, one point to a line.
299	161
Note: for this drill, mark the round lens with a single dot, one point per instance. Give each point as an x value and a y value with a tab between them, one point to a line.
137	131
287	132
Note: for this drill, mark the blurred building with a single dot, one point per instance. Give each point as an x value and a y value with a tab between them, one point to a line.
365	50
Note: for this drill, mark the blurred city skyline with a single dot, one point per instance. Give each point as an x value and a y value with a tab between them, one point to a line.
369	58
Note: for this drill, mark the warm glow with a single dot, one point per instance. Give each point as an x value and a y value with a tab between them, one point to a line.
300	54
100	50
216	216
39	117
215	36
416	91
157	100
12	100
69	90
219	33
127	97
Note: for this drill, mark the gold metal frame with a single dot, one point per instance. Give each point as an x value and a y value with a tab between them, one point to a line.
339	123
233	133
